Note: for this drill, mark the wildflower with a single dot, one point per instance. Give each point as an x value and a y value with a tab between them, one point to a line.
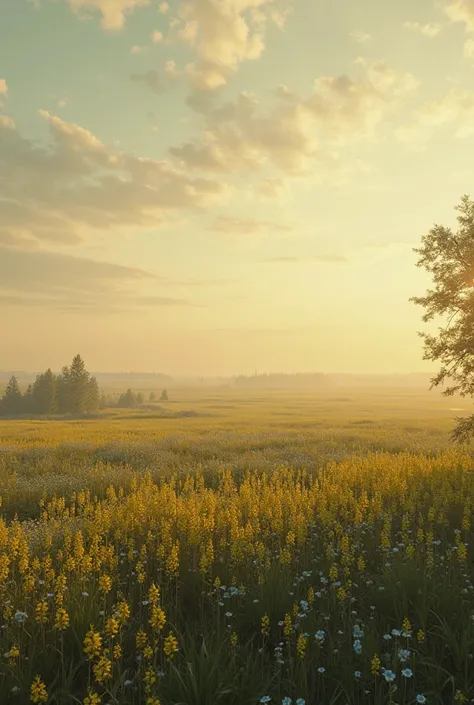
357	674
123	612
300	701
421	699
420	636
38	692
459	697
375	665
357	632
141	639
319	636
153	594
321	669
41	612
117	651
170	646
389	676
158	618
407	673
62	619
265	699
301	645
92	698
387	637
357	646
233	639
288	626
396	632
105	583
287	701
152	701
20	617
403	655
92	643
102	669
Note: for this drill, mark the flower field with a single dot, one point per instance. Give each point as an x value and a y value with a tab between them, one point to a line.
319	557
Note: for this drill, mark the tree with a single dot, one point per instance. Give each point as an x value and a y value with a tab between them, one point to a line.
139	399
79	385
164	395
44	393
127	400
63	391
12	401
449	259
152	396
93	395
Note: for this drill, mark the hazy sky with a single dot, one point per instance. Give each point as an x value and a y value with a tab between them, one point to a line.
214	186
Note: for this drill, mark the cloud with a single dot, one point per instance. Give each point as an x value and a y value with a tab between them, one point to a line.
3	87
462	12
151	79
328	258
74	283
112	12
157	37
455	108
76	184
137	49
246	226
163	8
241	136
430	29
272	187
223	35
360	36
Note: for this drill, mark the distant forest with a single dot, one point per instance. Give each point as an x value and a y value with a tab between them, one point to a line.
309	380
73	391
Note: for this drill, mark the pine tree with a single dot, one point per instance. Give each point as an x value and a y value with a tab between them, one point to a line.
63	391
127	400
79	385
12	401
164	395
139	398
44	393
152	396
93	399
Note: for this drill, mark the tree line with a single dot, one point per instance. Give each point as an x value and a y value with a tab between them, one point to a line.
73	391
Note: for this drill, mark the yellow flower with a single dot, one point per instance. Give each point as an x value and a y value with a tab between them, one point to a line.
287	626
233	639
153	594
420	636
102	669
301	645
105	583
406	625
117	651
148	653
123	612
14	653
92	698
41	612
92	643
375	665
62	619
152	701
38	692
265	625
170	646
141	639
158	618
111	626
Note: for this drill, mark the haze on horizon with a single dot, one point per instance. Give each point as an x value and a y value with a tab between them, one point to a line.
201	188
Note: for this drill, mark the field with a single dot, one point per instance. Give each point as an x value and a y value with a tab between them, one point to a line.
240	547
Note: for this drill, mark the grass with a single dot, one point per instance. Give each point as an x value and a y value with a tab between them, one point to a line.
272	545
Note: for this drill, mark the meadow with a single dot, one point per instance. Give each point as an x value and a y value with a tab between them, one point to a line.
239	547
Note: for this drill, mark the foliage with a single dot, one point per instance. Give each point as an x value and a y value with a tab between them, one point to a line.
74	391
449	259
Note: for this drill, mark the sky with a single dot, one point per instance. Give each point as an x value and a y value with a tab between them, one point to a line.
209	187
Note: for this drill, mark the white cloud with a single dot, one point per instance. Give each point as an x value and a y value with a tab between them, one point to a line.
157	37
163	8
360	36
224	35
137	49
3	87
77	184
456	108
272	187
430	29
462	11
112	12
241	136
